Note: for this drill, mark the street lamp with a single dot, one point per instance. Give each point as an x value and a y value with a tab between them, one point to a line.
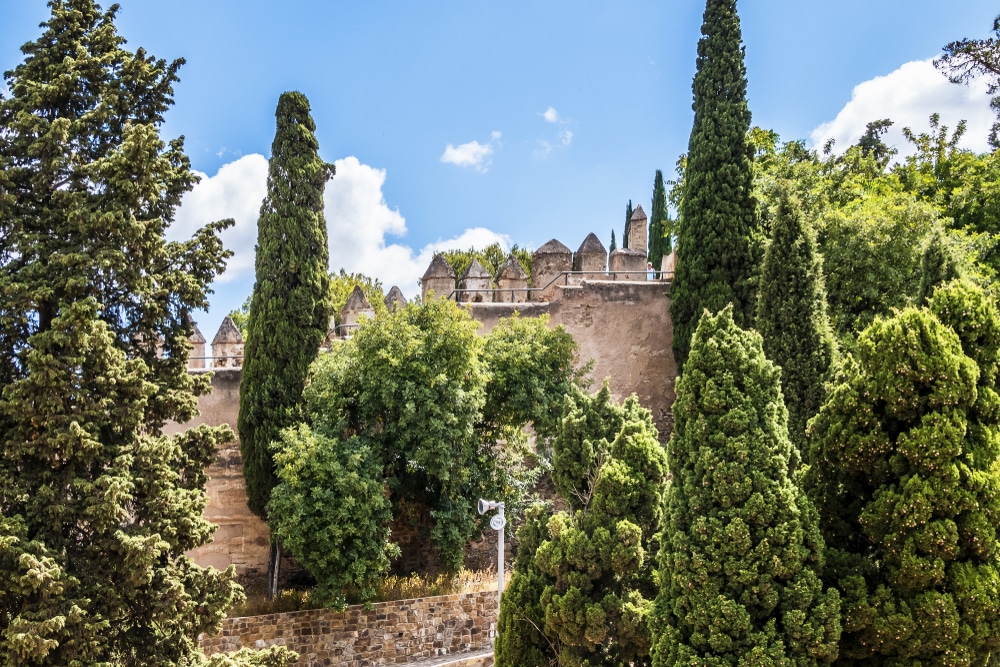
497	523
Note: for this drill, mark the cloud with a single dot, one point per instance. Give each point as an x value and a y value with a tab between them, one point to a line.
472	154
551	115
236	191
359	221
566	137
908	96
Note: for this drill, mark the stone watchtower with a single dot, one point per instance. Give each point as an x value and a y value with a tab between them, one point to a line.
630	263
227	346
357	306
512	282
547	263
394	299
438	278
592	256
476	283
196	358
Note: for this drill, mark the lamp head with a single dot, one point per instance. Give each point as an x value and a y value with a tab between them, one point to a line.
485	506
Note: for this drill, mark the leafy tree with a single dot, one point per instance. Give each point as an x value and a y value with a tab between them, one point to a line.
583	579
741	553
441	411
791	316
871	143
628	224
97	505
715	253
342	284
904	469
491	257
967	59
937	265
659	226
331	512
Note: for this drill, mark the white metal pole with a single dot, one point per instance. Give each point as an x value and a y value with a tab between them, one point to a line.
500	555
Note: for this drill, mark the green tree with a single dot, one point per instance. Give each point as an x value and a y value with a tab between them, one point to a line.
442	412
715	235
290	305
97	505
904	469
741	553
937	265
491	257
628	224
659	225
583	580
614	244
791	316
967	59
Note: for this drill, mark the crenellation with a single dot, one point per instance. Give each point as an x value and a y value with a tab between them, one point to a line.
476	284
548	263
227	346
511	281
439	279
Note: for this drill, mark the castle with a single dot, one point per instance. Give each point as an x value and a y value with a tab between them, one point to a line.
618	314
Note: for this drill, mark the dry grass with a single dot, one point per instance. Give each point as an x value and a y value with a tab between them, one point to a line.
390	588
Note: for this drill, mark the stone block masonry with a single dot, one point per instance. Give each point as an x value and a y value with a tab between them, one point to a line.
389	633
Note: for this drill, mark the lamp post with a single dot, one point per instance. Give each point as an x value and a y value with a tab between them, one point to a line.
497	523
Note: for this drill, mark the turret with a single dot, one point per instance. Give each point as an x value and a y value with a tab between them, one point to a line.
512	282
547	263
227	346
476	284
439	278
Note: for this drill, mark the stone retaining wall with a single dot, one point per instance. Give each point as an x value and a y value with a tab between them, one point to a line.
390	633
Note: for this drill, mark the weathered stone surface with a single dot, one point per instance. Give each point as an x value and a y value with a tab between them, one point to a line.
389	633
590	257
627	264
357	306
439	278
637	230
476	284
552	259
227	346
394	299
512	282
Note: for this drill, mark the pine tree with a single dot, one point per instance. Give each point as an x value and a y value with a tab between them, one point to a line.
97	505
583	580
659	231
290	307
791	316
904	459
741	553
717	214
628	223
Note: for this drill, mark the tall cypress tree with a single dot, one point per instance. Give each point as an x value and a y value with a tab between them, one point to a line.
628	223
791	315
97	505
659	240
741	552
614	244
290	306
717	214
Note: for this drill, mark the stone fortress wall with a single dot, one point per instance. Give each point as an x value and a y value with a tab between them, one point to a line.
619	318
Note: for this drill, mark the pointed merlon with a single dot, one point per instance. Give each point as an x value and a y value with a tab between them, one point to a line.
439	268
228	333
593	245
357	302
553	247
395	299
475	270
511	269
638	213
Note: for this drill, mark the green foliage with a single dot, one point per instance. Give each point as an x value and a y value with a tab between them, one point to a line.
272	656
97	505
343	283
715	235
331	512
741	553
937	265
659	225
290	305
904	468
441	411
966	59
491	257
628	224
791	316
583	580
614	244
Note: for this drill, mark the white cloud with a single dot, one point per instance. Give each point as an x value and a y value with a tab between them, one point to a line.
908	96
236	191
359	221
472	154
551	115
566	137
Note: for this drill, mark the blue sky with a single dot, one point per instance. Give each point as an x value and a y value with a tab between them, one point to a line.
455	123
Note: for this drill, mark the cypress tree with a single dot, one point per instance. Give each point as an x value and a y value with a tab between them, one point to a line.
290	306
97	505
904	459
741	552
659	239
717	212
614	245
628	223
791	315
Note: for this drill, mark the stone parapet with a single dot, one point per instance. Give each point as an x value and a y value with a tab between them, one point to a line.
388	633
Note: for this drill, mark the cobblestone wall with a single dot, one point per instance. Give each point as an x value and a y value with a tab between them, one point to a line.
390	633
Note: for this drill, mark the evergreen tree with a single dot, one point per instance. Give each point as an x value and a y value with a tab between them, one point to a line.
904	468
937	265
583	580
290	306
791	315
659	229
741	551
717	214
614	245
628	223
97	505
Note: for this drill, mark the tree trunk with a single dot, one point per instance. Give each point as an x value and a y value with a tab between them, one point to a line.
273	567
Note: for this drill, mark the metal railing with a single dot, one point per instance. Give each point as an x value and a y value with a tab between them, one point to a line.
610	276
